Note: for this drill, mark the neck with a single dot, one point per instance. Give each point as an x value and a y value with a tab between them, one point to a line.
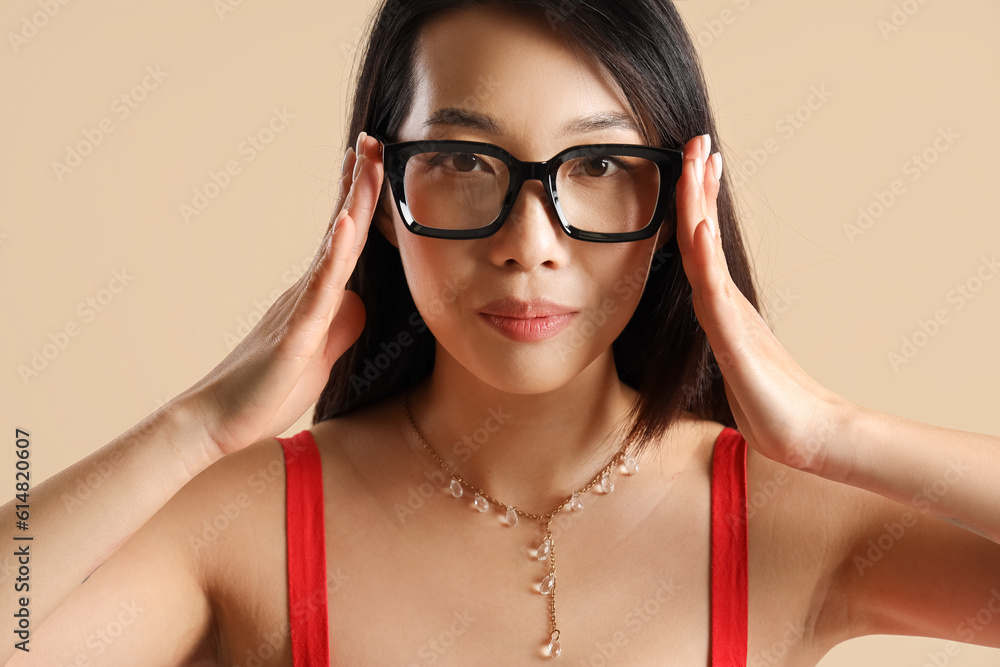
527	450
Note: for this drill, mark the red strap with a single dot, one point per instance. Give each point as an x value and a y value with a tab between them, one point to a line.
306	551
729	550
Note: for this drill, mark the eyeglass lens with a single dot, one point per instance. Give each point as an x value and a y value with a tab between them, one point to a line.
599	192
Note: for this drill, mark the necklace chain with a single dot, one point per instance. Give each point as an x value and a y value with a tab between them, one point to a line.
548	545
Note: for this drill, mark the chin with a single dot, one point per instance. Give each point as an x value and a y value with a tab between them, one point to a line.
536	370
524	386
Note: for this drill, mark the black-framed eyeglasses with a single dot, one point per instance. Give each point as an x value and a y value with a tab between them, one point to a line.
606	193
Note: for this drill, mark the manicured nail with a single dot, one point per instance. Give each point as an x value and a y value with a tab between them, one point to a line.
699	170
361	142
343	165
711	226
706	142
357	168
717	165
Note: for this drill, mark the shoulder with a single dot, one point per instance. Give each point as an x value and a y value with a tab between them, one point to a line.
799	527
232	519
231	501
252	481
365	446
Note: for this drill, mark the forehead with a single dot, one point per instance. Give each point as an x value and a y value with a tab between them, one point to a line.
509	77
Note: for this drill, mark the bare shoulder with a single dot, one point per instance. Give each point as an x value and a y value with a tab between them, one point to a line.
236	508
362	447
237	535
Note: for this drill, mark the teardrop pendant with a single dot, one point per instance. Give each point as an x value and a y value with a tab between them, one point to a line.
543	550
511	517
631	465
481	503
574	503
456	488
606	483
554	648
548	583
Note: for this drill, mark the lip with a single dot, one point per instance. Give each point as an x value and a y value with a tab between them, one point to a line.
527	321
525	309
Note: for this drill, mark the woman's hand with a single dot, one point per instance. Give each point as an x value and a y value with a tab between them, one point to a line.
279	369
781	411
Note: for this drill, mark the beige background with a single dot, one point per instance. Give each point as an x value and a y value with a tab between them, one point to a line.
839	307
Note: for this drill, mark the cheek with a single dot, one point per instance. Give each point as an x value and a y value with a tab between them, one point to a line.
612	280
618	281
436	273
621	278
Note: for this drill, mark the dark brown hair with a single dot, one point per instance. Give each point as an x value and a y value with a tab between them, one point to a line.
662	352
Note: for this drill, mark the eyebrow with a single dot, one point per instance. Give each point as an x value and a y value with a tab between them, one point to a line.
479	121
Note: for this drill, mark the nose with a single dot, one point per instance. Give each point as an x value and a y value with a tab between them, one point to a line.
531	235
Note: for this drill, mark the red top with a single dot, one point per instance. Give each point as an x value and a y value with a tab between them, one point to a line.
307	582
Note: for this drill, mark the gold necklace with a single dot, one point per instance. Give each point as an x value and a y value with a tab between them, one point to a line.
546	550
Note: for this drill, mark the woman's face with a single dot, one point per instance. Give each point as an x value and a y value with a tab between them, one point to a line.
481	297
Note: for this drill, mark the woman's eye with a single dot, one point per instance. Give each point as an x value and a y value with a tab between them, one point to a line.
462	162
598	167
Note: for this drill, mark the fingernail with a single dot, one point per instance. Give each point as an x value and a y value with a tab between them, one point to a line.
343	165
361	141
717	165
699	170
357	168
706	142
711	226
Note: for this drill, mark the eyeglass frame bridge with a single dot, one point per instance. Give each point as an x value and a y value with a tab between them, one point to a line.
668	161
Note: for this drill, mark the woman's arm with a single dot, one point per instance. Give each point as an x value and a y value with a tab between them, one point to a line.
83	514
901	571
787	416
940	471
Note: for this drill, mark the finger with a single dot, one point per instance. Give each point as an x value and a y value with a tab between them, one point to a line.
697	259
367	183
712	179
352	172
720	307
346	169
319	302
688	196
710	191
341	245
346	179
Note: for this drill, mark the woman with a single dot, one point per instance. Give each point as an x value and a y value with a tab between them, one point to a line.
527	359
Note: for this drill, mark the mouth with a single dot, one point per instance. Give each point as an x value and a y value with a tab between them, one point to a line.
527	321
